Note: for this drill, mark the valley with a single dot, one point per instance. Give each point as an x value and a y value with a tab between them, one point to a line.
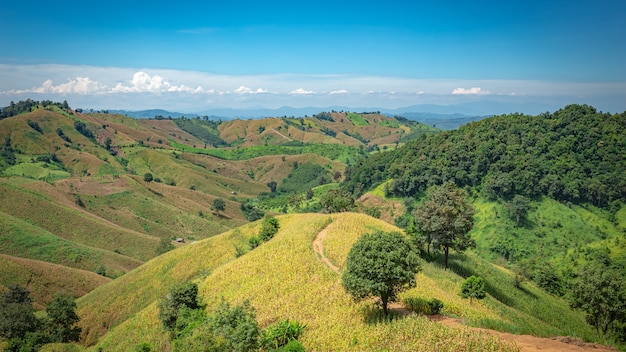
115	211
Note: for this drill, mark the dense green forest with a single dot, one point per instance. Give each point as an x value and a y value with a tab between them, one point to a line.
575	154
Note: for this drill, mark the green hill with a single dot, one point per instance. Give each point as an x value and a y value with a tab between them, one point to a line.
285	279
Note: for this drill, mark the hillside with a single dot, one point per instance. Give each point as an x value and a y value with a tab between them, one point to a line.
548	190
285	278
86	172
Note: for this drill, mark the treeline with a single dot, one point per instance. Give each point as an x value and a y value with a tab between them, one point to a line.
28	105
573	155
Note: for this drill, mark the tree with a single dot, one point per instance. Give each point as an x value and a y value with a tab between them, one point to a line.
17	316
473	288
445	218
147	177
179	296
218	205
272	185
380	265
601	293
336	201
518	208
61	319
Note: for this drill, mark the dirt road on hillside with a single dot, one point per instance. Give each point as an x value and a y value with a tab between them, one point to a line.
527	343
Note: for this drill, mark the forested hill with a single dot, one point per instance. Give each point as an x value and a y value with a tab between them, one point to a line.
575	154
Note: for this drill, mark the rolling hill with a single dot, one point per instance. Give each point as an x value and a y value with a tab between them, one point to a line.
73	190
285	278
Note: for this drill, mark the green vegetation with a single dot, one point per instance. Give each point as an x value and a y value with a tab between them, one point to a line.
473	288
601	294
380	265
444	220
357	119
337	152
304	177
205	130
570	155
26	332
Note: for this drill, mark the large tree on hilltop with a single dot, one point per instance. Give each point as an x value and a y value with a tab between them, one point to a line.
380	265
444	219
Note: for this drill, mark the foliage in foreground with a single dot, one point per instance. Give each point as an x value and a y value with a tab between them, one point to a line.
381	265
25	331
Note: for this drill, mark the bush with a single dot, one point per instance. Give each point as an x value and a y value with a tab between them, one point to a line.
293	346
281	333
423	306
254	242
417	305
473	288
269	228
435	306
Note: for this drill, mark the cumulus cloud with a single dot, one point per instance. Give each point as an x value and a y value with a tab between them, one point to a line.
143	82
80	85
246	90
301	91
471	91
340	91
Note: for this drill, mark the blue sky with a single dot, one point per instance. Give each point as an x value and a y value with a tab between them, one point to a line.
195	55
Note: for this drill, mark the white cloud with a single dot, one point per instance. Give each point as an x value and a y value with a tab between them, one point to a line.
301	91
471	91
341	91
143	82
246	90
80	85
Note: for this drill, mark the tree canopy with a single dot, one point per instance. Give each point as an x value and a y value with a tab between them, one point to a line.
444	219
380	265
574	154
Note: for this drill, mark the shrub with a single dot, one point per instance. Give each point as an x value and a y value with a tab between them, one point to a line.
417	305
269	228
254	242
34	125
281	333
293	346
473	288
435	306
423	306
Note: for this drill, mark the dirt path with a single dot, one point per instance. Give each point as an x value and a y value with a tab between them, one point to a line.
318	248
527	343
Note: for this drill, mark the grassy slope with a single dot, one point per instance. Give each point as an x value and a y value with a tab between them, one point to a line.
550	227
19	238
284	279
111	304
73	224
45	280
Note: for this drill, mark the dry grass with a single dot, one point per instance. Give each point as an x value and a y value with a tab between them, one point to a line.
45	280
283	279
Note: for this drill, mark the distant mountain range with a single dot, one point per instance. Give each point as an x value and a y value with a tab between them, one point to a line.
430	111
445	117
